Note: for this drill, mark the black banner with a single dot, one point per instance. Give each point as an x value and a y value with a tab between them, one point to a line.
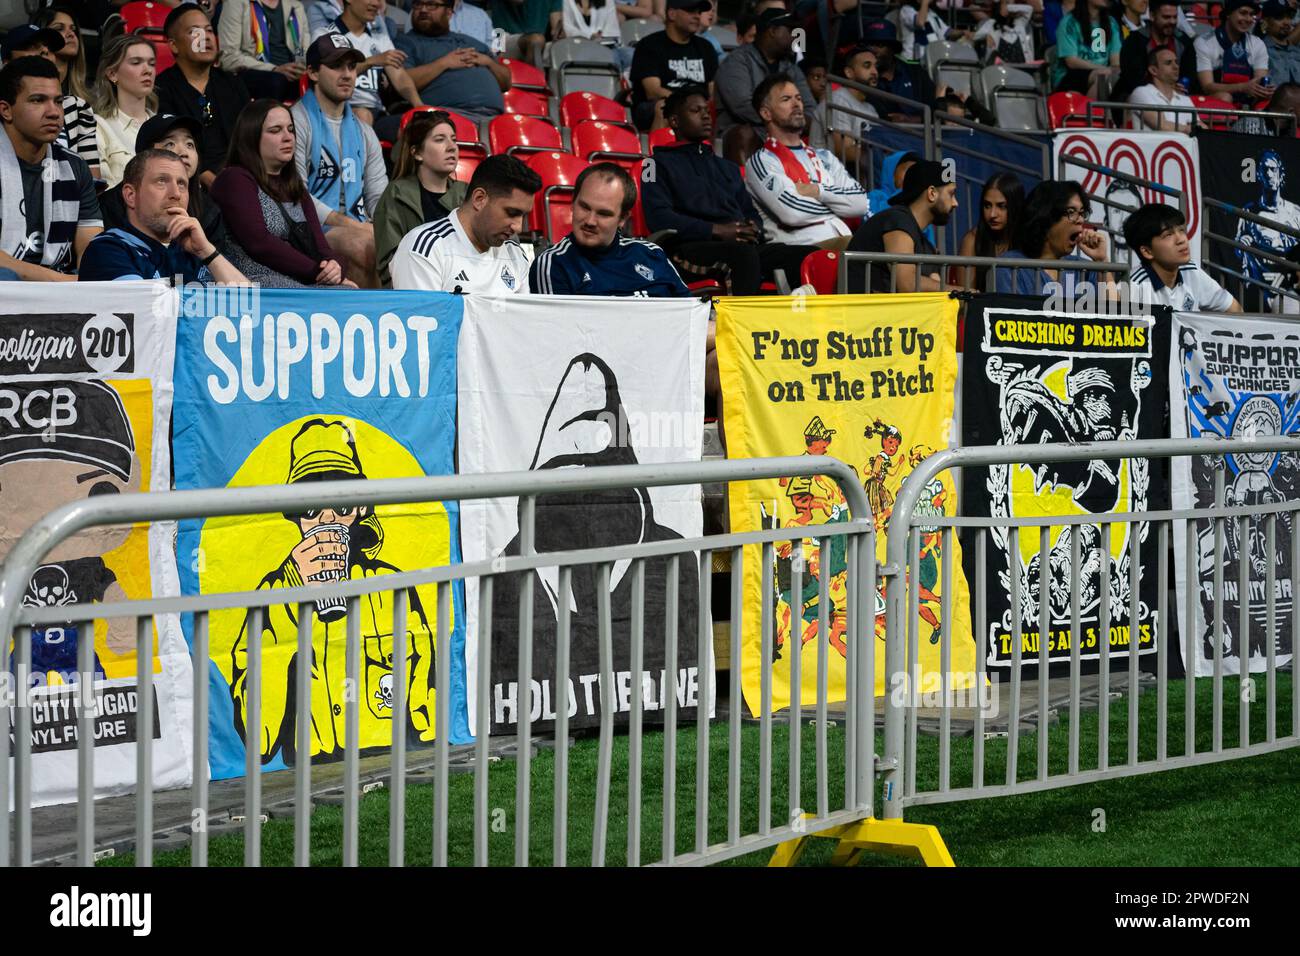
1033	377
1259	175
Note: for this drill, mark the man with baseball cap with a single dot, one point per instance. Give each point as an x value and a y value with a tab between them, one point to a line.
1231	62
160	240
928	197
671	58
739	126
360	25
338	156
881	38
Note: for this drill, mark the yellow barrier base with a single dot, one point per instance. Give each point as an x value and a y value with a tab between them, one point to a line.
914	840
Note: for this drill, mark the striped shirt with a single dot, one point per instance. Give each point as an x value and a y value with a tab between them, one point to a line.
79	127
1194	290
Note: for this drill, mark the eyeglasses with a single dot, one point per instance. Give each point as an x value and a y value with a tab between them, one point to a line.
1075	214
431	3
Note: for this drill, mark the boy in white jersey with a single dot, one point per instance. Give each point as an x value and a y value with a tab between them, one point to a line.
474	250
1157	234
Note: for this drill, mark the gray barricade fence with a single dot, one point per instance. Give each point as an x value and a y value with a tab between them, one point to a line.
867	263
1061	758
828	784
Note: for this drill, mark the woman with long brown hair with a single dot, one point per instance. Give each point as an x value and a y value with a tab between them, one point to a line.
123	99
267	208
424	185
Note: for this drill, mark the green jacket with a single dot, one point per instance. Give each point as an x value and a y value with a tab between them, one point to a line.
399	211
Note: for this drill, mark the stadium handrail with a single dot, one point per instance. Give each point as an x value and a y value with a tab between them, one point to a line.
979	262
1107	105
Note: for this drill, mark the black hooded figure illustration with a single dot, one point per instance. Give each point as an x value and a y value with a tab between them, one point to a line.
585	427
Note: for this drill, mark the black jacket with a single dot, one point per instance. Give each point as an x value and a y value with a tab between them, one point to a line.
692	189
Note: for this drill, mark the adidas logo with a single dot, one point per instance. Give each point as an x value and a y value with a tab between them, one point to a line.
586	277
461	277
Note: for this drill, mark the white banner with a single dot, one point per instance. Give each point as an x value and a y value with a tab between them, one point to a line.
1235	378
85	408
1171	159
576	382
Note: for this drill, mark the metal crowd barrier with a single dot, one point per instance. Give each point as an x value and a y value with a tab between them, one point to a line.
900	764
848	261
710	840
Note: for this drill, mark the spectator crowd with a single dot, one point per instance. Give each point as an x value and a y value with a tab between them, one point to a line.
416	144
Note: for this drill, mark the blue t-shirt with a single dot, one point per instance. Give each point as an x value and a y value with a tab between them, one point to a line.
625	267
126	253
472	88
1026	281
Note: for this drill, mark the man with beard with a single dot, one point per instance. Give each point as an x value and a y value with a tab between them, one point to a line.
43	466
801	192
338	543
927	198
451	70
586	426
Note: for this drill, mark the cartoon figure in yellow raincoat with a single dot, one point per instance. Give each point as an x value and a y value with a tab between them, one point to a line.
803	496
337	542
817	441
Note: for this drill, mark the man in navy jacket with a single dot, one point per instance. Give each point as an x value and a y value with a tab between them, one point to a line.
703	198
594	259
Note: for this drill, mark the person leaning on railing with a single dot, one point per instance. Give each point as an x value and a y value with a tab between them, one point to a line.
1055	226
1165	275
928	197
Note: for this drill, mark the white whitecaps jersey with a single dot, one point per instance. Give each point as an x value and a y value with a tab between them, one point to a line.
439	257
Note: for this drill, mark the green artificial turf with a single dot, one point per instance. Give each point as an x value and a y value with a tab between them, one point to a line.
1233	813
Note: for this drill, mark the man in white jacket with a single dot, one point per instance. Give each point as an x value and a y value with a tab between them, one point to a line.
801	192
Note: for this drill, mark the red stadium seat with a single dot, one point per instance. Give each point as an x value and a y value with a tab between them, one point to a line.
525	76
553	203
662	137
1077	107
598	141
1214	120
465	166
582	105
146	16
820	269
527	103
163	56
467	137
510	133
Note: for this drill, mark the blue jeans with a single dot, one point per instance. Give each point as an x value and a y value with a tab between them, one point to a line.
8	275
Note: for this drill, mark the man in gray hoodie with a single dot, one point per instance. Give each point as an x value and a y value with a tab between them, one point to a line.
738	125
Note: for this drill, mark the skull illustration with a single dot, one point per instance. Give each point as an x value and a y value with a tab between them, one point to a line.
49	587
385	693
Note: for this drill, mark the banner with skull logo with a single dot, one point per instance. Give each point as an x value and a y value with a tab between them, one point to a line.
85	406
1034	377
1235	378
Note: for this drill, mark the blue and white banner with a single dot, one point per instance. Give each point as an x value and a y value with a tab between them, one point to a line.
1231	377
276	387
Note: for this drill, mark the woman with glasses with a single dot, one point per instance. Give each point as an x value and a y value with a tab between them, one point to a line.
267	207
123	100
1054	225
424	185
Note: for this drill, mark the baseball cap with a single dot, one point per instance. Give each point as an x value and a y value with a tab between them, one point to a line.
920	176
157	127
881	33
1277	9
29	34
774	17
1233	5
331	50
695	6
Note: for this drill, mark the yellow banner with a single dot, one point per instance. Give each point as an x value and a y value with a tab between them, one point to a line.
868	379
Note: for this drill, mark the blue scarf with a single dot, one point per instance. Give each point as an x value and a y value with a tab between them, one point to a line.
327	173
